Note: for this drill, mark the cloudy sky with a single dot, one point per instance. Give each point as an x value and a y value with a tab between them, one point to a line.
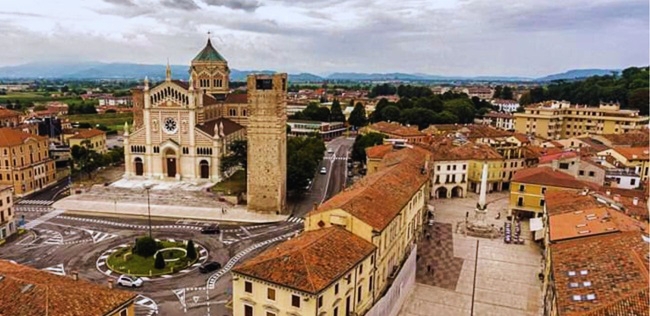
445	37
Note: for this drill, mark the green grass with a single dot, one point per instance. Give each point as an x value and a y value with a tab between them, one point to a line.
235	184
140	266
114	121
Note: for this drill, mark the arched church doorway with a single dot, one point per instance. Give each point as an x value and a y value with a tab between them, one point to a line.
139	167
205	169
170	158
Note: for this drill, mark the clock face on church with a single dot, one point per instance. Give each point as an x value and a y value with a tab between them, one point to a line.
170	126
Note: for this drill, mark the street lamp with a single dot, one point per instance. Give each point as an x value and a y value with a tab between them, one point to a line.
148	186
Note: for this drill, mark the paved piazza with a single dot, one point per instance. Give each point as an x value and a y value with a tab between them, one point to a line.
454	278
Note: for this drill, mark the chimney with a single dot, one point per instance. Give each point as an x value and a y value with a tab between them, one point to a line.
110	283
608	192
635	201
315	205
75	275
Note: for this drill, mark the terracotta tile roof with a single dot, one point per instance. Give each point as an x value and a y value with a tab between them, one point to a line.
634	153
532	152
558	156
633	304
182	84
377	198
379	151
485	131
595	144
209	100
87	133
560	202
407	131
636	139
65	297
13	137
626	198
229	126
310	262
385	127
4	113
499	115
436	128
237	98
615	265
522	138
548	176
591	221
593	163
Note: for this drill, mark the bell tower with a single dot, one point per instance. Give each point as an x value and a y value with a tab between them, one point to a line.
267	143
210	72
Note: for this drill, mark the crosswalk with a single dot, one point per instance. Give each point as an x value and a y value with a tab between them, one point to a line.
57	269
297	220
43	219
35	202
33	208
335	158
126	225
145	306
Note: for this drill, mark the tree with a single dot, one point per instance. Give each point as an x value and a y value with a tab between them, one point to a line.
497	92
462	108
638	99
191	251
358	116
160	261
40	107
391	113
418	116
86	160
145	246
336	114
376	115
364	141
322	115
237	156
506	93
304	154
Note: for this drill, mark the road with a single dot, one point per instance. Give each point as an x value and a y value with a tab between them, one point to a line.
325	186
62	243
50	193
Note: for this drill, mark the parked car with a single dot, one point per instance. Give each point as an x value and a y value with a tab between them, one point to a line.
330	151
213	229
209	267
323	170
129	281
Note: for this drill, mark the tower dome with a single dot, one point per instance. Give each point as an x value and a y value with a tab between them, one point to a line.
209	72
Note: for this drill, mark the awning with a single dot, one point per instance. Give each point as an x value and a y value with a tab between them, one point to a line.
536	224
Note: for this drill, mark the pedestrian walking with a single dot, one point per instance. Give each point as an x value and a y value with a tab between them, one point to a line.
428	268
428	236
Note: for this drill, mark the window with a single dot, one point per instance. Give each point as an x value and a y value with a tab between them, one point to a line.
248	310
349	278
592	174
581	172
124	312
361	268
320	301
336	311
359	294
248	287
438	167
448	167
520	201
564	165
372	259
522	188
270	314
295	300
370	284
632	182
336	289
543	190
270	294
541	202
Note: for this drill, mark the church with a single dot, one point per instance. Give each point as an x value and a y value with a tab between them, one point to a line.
182	129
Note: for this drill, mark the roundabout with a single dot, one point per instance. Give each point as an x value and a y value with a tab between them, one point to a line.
122	260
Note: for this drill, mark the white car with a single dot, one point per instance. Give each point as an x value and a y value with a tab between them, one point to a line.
323	170
330	151
129	281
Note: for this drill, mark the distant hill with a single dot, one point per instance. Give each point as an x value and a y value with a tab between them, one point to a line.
579	74
99	70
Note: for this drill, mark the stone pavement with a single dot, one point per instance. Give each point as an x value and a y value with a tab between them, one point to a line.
498	279
174	202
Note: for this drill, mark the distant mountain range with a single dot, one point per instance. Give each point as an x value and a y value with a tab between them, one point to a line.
98	70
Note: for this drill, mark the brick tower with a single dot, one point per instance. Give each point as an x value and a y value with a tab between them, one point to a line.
267	143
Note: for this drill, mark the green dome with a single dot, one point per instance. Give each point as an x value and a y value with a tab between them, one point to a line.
209	54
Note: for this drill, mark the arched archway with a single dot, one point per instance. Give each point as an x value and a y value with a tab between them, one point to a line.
457	192
170	162
139	166
441	193
205	169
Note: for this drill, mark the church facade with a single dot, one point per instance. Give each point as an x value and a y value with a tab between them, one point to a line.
182	129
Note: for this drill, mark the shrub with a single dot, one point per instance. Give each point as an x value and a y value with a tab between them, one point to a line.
145	247
160	261
191	251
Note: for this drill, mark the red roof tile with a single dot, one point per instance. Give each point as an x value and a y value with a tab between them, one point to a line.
310	262
87	133
634	153
26	291
237	98
13	137
379	151
548	176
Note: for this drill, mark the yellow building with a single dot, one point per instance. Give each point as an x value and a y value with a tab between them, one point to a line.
24	162
633	158
327	271
36	292
560	119
94	138
7	215
374	156
529	186
352	247
385	208
482	154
